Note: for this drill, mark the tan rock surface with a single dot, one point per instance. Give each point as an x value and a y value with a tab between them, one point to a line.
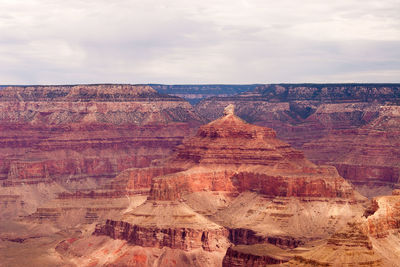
385	216
349	247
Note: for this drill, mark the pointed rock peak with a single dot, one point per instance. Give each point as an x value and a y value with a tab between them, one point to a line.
231	126
229	110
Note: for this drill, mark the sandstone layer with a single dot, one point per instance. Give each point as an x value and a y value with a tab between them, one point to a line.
383	215
383	226
166	224
255	255
349	247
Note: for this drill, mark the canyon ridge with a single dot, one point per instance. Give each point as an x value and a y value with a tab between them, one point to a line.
125	175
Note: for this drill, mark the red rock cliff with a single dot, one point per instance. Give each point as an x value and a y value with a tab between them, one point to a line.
86	131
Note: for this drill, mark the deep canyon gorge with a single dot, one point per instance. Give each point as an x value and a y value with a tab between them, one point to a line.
200	175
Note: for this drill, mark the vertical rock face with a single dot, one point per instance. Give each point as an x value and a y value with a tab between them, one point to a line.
354	127
243	236
166	224
256	255
383	215
175	238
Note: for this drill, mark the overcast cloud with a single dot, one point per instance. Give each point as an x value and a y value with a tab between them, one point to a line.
191	41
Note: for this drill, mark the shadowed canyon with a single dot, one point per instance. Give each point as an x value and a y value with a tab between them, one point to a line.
200	175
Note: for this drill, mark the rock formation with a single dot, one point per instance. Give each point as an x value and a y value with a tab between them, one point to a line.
354	127
255	255
229	154
349	247
232	194
383	215
81	136
166	224
233	183
193	93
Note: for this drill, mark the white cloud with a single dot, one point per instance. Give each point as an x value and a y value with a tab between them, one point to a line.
208	41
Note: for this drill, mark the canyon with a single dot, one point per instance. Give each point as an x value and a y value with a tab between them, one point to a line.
220	199
354	127
77	137
123	175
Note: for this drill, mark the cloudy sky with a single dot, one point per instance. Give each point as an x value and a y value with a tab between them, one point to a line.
192	41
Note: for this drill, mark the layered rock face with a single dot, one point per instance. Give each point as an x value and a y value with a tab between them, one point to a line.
163	224
229	154
74	131
125	192
349	247
234	182
104	251
383	225
193	93
257	255
81	136
372	152
352	127
383	215
166	226
138	179
68	213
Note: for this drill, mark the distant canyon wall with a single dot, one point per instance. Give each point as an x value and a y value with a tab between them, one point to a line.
68	133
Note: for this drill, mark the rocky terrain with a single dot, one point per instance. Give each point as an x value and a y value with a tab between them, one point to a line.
238	185
348	247
55	138
255	255
194	93
121	175
354	127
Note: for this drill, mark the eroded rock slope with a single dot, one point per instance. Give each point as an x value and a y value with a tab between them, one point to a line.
80	136
354	127
237	185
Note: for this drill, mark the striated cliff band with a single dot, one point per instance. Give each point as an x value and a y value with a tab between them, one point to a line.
354	127
82	135
120	175
194	93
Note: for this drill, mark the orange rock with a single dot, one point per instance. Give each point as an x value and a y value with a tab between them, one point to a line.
383	215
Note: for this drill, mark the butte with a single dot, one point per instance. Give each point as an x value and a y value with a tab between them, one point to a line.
232	184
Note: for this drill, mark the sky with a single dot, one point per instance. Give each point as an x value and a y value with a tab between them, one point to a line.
199	41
